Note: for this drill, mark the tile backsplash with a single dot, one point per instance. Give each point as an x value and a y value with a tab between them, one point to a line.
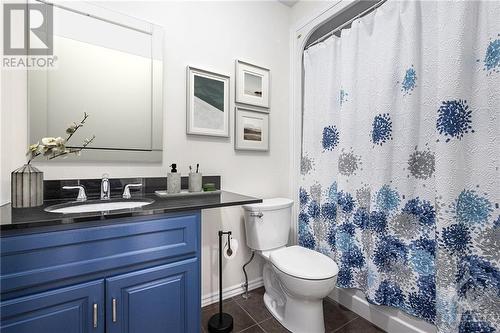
53	188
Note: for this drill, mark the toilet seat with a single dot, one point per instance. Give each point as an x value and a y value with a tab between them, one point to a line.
303	263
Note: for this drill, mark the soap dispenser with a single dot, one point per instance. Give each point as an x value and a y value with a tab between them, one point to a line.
173	180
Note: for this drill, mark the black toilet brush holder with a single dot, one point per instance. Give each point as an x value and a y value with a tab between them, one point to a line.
221	322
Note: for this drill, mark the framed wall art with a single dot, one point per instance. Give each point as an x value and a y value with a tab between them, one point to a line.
251	130
207	103
252	84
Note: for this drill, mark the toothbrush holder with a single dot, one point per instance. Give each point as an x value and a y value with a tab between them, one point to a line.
173	182
195	180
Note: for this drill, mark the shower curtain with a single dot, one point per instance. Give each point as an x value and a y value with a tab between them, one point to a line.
400	159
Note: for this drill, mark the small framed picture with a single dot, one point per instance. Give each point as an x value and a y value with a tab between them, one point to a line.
207	103
252	84
251	130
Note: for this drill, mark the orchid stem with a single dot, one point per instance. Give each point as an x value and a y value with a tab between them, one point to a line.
70	151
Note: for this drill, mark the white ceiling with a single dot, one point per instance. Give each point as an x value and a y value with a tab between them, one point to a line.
289	3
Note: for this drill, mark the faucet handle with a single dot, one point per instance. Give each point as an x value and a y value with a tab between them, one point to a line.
126	190
81	191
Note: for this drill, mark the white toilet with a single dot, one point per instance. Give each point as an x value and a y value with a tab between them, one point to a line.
296	279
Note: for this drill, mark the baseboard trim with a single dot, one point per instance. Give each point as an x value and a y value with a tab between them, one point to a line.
389	319
231	291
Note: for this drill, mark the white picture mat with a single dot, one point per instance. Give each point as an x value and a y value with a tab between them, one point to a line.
241	96
190	117
240	142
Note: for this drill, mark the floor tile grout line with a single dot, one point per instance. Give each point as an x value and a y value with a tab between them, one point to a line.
246	328
262	328
243	331
260	322
234	300
270	318
338	328
255	321
249	315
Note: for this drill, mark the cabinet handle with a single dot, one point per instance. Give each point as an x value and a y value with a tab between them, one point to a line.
113	310
94	319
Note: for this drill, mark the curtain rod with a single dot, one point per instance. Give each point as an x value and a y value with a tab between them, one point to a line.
331	33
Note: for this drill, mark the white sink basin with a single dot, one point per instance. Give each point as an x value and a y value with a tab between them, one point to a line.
97	206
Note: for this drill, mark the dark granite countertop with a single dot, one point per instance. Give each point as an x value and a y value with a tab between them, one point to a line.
22	218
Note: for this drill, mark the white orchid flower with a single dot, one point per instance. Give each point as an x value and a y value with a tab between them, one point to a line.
52	142
49	142
60	141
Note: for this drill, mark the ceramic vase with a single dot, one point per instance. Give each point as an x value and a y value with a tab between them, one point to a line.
26	187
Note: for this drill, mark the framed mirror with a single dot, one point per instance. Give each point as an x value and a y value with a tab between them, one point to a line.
109	66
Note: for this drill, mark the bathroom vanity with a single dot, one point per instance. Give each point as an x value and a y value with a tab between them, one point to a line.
130	270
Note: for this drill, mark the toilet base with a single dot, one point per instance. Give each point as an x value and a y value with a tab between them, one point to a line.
296	317
275	310
220	324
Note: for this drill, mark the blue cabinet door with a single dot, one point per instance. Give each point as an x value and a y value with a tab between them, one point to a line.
74	309
155	300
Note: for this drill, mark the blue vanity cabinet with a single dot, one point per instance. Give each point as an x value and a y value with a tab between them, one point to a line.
74	309
134	274
154	300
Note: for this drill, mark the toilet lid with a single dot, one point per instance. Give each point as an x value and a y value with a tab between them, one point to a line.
269	204
303	263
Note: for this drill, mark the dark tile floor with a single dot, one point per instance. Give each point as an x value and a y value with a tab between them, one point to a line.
251	316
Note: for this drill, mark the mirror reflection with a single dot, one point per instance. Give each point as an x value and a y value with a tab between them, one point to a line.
110	69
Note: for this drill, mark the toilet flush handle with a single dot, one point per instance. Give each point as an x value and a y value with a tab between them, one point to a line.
257	214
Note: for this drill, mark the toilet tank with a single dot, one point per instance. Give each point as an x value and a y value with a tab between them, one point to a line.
267	224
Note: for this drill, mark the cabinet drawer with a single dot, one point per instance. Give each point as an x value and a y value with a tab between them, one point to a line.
65	310
155	300
32	260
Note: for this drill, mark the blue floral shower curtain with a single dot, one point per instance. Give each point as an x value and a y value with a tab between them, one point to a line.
400	159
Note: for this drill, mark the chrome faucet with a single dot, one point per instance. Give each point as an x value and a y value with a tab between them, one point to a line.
81	192
105	187
126	191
